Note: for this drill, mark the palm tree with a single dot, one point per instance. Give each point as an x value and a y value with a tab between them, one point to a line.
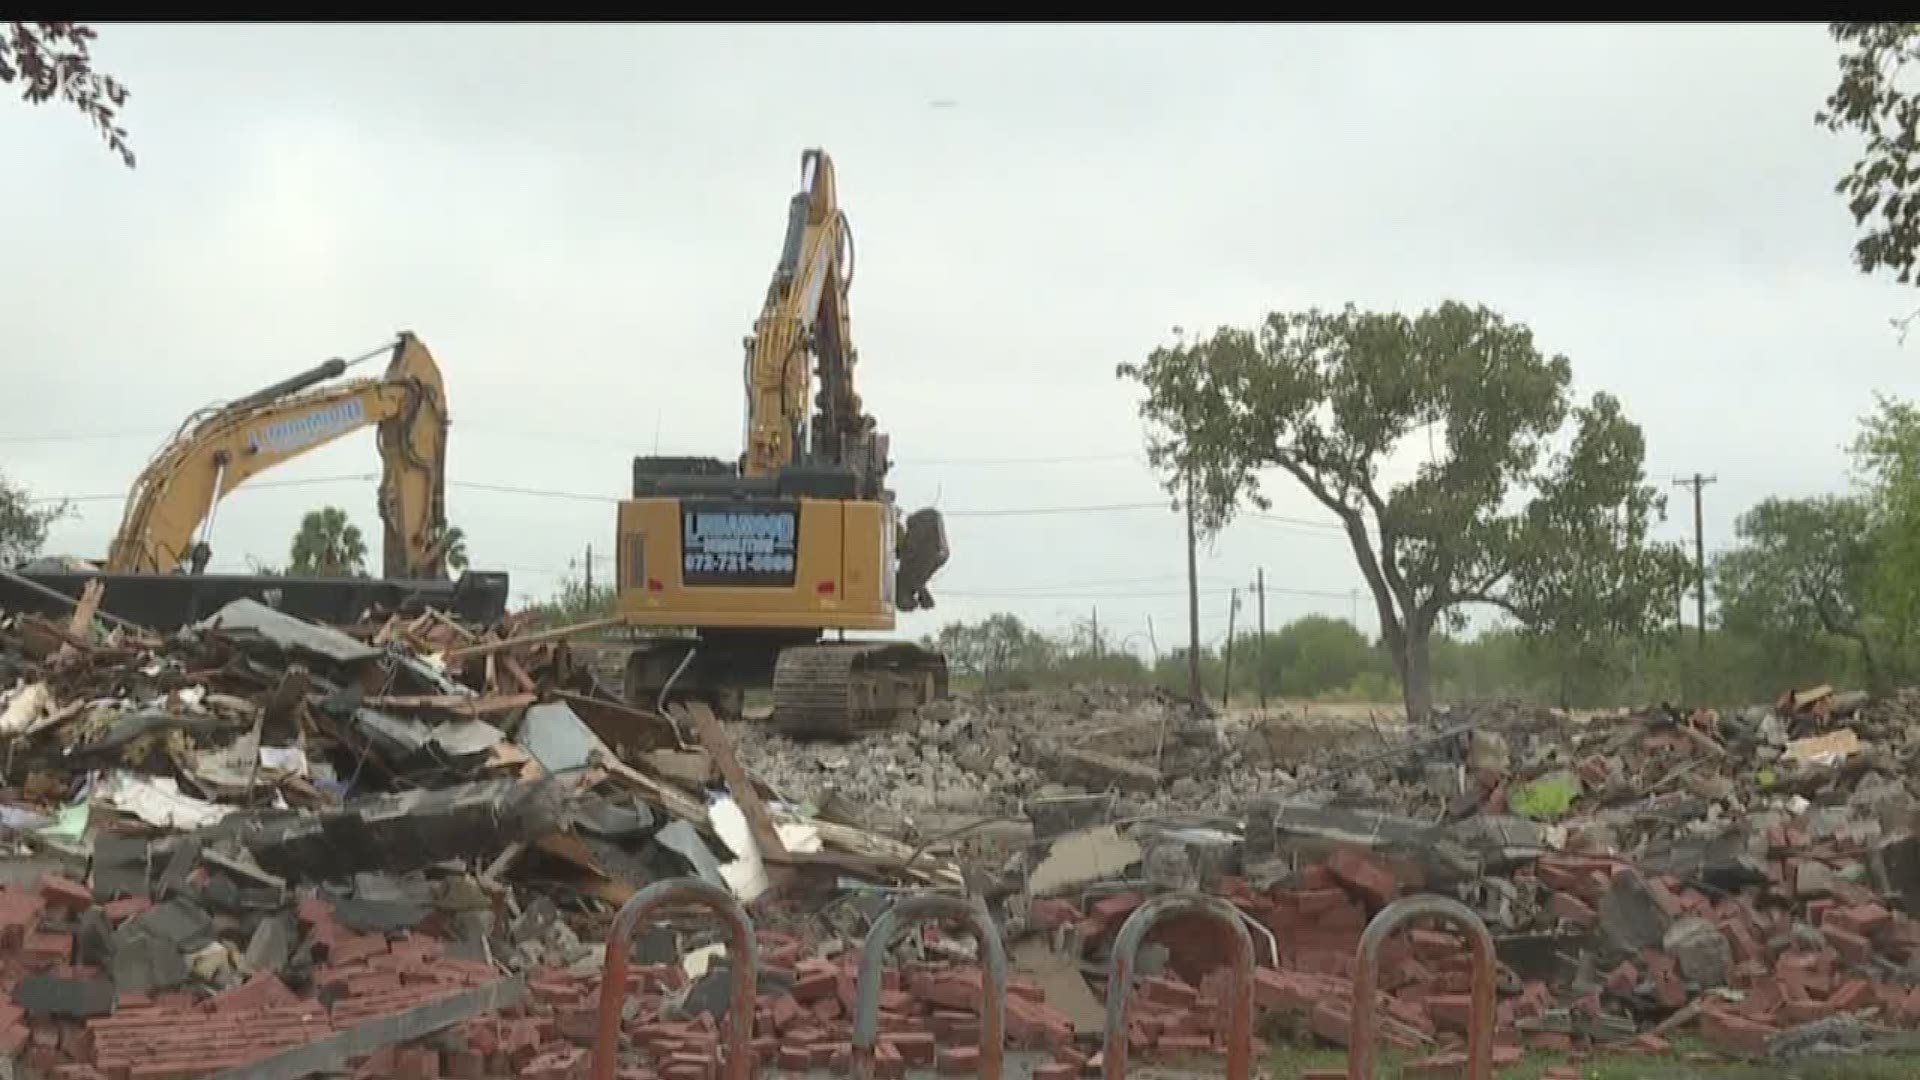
328	545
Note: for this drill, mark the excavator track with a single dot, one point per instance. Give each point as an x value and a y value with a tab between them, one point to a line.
840	690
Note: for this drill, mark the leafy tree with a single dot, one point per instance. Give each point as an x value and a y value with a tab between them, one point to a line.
52	59
1802	568
574	603
1329	396
1315	655
327	545
1870	102
1886	454
23	527
1000	650
1586	579
456	556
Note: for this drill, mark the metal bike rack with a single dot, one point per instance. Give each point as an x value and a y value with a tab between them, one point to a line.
1480	1017
743	955
1120	971
873	953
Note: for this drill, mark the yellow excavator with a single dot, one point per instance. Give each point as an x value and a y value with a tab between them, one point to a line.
155	575
750	563
221	447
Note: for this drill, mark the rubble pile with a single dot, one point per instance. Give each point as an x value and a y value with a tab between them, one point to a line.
1754	877
261	846
987	753
264	847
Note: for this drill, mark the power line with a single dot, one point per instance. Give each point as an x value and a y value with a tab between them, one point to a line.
581	496
1314	594
253	485
579	439
1305	522
1038	511
544	493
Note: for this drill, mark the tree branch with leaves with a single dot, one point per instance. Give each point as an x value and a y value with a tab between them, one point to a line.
1327	397
49	60
23	523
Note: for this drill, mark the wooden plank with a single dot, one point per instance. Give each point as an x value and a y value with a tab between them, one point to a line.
541	638
331	1054
881	853
517	675
759	821
570	850
672	799
457	703
89	604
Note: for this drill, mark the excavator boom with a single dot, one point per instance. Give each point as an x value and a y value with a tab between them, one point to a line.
178	493
220	448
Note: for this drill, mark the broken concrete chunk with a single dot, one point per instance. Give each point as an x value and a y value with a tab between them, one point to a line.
378	916
610	819
1095	771
246	619
690	768
1706	959
1814	878
119	866
71	999
143	963
1896	871
1630	916
1487	753
271	944
1081	858
179	922
558	739
400	833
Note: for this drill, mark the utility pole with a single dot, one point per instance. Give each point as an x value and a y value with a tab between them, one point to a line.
1194	691
1260	652
1697	482
589	565
1226	681
1096	631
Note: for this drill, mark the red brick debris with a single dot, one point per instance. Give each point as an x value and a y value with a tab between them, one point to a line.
930	1012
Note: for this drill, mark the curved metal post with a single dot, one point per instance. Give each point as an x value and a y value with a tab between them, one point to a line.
743	954
1480	1016
873	953
1120	972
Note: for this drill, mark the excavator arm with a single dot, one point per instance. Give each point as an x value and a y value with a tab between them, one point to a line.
216	452
806	331
805	335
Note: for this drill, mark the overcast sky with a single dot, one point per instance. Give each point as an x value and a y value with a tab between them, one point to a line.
580	221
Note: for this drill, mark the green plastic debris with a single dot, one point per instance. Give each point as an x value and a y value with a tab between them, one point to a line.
1546	798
